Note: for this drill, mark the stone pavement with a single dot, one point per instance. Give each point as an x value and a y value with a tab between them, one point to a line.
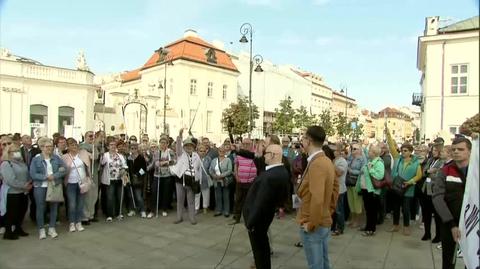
158	243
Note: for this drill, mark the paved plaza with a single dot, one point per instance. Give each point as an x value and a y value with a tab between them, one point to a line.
158	243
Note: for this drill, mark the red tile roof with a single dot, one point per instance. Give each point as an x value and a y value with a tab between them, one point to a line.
193	49
190	49
130	75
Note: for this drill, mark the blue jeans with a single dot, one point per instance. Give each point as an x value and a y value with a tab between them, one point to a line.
114	198
339	212
40	195
315	245
222	199
137	192
75	203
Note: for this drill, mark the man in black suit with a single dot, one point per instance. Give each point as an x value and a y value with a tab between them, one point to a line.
269	191
29	151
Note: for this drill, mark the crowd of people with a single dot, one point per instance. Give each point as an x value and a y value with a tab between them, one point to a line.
331	186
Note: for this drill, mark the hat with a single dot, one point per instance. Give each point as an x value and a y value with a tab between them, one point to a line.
188	141
439	140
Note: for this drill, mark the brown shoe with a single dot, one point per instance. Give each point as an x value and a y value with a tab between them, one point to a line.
406	231
394	229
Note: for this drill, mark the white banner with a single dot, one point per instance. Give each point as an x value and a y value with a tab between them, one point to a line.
469	218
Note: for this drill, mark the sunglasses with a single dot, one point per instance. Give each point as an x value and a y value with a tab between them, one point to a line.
6	143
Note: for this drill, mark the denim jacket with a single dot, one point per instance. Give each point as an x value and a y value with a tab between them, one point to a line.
38	169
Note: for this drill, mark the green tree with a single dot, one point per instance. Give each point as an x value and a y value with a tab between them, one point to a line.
283	121
341	125
326	121
237	116
302	119
356	132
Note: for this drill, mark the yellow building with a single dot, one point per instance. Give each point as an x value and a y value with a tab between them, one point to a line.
400	124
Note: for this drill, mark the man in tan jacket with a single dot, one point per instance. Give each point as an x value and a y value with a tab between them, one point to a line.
318	192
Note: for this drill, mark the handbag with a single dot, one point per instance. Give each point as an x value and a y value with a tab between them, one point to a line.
351	180
385	183
54	192
398	186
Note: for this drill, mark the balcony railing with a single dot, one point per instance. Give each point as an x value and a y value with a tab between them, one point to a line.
417	99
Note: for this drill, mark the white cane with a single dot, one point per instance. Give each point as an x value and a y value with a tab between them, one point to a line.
121	201
133	197
158	194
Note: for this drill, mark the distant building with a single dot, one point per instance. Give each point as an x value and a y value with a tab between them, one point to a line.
400	124
448	58
40	100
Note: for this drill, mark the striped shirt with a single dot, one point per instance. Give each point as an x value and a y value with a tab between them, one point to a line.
246	169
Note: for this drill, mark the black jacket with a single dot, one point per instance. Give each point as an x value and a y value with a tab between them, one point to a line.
32	152
269	191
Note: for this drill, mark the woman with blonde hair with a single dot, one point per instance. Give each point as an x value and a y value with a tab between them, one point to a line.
44	168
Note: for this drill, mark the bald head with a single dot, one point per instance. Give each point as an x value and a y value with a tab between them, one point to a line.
273	154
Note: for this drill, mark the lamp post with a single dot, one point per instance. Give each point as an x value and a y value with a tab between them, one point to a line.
346	106
246	29
163	52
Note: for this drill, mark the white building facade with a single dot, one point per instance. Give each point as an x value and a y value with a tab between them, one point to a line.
40	100
274	84
201	81
448	58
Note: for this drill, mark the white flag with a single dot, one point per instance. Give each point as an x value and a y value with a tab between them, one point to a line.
469	218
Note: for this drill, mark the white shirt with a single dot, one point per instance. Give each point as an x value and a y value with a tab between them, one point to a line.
77	171
49	172
272	166
313	155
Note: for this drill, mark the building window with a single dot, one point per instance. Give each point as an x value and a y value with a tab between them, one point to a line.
224	92
210	54
38	121
210	89
209	121
453	130
65	117
459	79
193	87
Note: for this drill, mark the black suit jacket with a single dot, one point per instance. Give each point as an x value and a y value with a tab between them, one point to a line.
269	190
31	153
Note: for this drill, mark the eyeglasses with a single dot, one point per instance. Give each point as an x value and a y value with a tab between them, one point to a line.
269	152
355	148
90	136
405	150
6	143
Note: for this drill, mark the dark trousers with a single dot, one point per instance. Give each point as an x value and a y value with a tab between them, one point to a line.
260	247
427	211
448	248
404	202
371	202
382	206
241	191
114	196
163	187
17	205
338	222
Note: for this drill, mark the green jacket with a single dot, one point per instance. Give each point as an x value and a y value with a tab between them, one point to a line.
376	170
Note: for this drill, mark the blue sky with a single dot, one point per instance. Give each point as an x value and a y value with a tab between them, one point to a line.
367	45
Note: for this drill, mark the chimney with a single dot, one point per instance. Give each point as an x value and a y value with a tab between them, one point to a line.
190	33
431	25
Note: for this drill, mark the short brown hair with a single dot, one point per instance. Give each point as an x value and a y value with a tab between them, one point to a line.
407	146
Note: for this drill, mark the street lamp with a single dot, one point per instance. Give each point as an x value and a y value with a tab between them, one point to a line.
163	52
245	29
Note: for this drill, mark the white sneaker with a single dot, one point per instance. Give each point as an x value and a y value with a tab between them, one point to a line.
41	234
109	219
164	214
2	230
72	227
52	233
439	246
459	253
131	213
150	215
120	217
79	227
143	214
